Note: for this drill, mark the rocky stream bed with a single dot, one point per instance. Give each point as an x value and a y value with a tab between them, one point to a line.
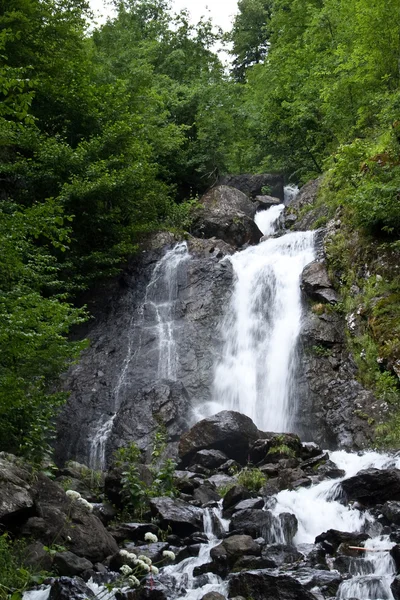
322	526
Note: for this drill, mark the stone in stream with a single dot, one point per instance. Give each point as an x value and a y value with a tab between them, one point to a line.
181	517
373	486
391	510
330	540
264	585
210	459
236	494
66	588
282	554
229	431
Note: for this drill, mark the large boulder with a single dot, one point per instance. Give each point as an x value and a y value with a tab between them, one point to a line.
229	431
227	214
234	547
265	585
373	486
16	497
61	518
181	517
254	185
331	540
257	523
316	283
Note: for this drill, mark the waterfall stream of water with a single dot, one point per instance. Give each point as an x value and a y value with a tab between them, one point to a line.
255	376
157	312
256	373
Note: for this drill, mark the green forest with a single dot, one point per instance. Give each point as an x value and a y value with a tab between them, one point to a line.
110	133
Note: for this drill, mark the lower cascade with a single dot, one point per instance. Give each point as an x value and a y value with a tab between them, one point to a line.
255	515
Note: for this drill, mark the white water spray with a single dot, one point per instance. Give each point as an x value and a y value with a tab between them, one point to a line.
261	328
182	573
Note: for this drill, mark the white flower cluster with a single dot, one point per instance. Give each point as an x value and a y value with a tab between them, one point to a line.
128	556
169	554
76	497
145	559
133	581
154	570
150	537
72	494
126	570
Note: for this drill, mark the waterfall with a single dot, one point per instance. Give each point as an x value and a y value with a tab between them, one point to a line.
260	330
157	313
161	305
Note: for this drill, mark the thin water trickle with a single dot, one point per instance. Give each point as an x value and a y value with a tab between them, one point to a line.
260	331
159	310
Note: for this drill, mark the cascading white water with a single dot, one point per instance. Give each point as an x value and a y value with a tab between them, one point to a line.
161	297
261	328
290	193
159	306
182	573
317	511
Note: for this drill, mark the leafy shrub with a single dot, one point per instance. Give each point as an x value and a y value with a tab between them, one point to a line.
282	449
14	577
251	478
135	492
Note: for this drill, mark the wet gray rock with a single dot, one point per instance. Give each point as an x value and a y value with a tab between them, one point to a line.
316	283
69	564
373	486
234	547
16	497
227	214
265	202
229	431
252	185
57	517
205	494
213	596
289	526
253	522
331	540
391	510
265	585
120	369
211	459
251	503
181	517
235	495
282	554
66	588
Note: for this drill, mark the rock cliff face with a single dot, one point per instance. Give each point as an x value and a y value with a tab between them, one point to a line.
338	408
138	368
155	340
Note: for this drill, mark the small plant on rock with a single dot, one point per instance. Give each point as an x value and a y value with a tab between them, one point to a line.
252	478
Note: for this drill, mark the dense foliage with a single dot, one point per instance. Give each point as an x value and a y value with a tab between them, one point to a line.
102	135
105	135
